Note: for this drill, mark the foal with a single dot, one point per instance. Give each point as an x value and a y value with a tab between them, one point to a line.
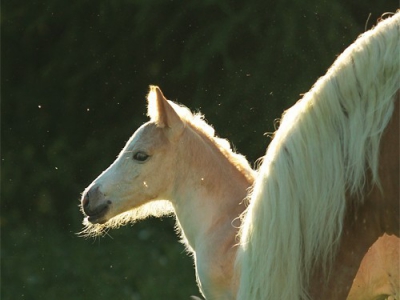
175	163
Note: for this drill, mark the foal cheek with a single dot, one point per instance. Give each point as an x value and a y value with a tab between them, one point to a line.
149	188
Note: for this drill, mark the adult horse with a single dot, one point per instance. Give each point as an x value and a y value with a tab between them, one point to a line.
329	183
327	188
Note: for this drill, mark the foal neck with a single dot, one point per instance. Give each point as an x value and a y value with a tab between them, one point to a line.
210	186
210	191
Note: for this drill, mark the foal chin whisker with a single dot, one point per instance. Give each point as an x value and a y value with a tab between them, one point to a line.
93	230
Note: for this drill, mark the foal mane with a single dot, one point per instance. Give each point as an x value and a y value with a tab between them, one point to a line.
325	144
198	123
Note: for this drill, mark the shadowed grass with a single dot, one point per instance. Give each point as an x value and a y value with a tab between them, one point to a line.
144	261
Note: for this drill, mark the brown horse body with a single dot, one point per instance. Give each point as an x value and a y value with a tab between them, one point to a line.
370	247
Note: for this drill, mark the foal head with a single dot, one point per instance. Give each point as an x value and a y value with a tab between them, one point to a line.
143	171
173	156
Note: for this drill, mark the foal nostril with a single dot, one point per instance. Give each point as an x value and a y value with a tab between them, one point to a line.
85	200
94	204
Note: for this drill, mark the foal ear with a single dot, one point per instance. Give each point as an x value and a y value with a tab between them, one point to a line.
162	113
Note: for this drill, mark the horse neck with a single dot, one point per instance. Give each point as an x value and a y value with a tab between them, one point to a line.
209	191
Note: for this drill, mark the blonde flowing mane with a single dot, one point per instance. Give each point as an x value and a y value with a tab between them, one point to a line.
325	144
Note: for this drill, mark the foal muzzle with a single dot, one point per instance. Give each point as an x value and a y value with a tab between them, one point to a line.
95	205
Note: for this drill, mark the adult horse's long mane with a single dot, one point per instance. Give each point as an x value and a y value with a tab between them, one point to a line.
320	154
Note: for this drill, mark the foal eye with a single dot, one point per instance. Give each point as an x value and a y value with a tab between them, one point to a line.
140	156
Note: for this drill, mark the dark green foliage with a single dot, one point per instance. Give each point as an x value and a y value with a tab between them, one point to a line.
74	79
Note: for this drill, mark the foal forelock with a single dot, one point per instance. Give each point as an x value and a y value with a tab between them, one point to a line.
322	149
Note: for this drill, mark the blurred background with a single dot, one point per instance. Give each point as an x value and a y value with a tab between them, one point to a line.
74	79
